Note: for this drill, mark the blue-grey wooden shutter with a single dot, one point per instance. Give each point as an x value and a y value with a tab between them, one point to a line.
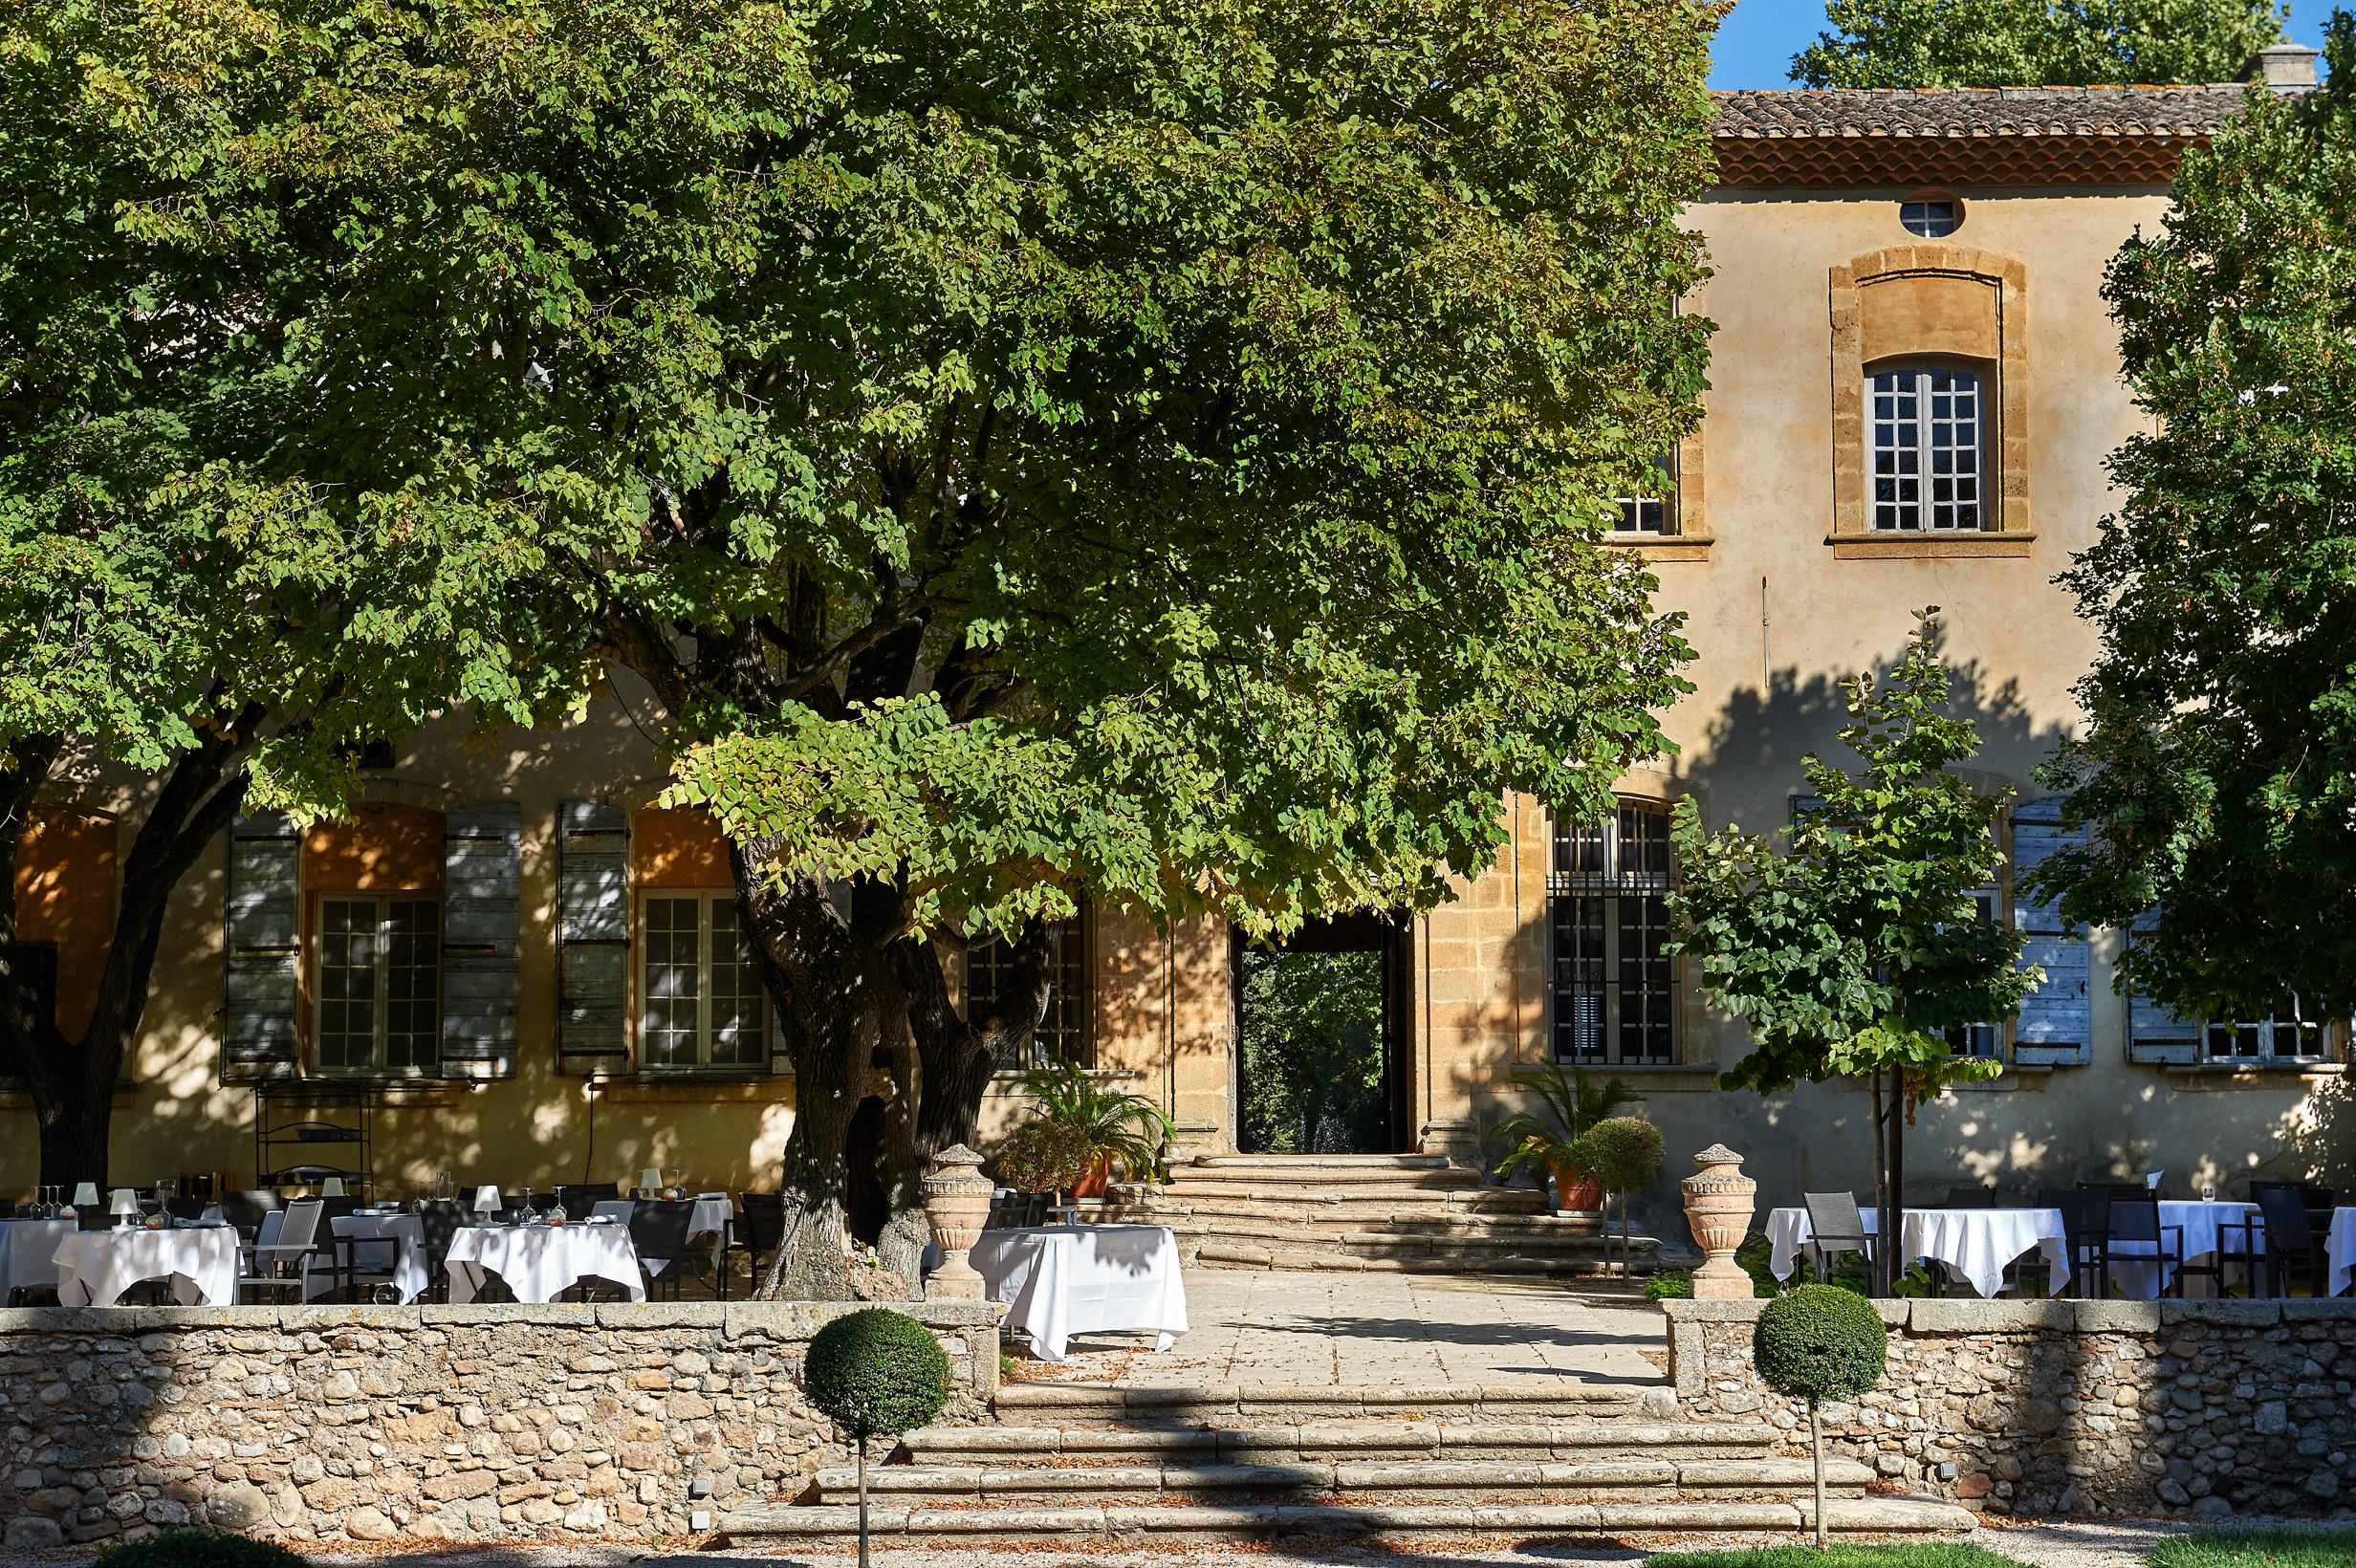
262	945
2055	1028
482	873
593	936
2153	1032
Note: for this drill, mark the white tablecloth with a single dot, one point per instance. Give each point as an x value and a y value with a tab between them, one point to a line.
1061	1280
96	1267
29	1252
397	1239
1975	1244
537	1261
2341	1246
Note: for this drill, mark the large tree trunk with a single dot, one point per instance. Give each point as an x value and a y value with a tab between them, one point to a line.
72	1080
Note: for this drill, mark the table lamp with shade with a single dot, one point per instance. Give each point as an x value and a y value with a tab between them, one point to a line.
123	1204
332	1187
650	1181
86	1195
486	1200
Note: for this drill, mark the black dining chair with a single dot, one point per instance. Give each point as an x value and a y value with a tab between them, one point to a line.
2289	1246
2137	1236
1836	1226
1011	1210
438	1224
187	1208
1971	1197
658	1231
759	1231
93	1216
245	1211
581	1197
2085	1228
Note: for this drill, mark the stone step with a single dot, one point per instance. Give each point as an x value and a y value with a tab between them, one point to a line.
1340	1174
1275	1232
1425	1201
1381	1480
1358	1213
1582	1439
1426	1258
1856	1516
1212	1404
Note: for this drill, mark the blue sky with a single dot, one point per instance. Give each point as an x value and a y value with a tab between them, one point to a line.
1757	44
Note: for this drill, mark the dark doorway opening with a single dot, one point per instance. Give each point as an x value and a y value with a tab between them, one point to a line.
1320	1062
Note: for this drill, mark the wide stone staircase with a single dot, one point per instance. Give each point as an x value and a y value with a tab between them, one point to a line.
1069	1462
1411	1214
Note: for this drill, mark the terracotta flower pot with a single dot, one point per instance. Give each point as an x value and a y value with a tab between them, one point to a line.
1577	1189
1097	1180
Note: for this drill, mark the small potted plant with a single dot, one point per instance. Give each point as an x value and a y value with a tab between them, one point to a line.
1541	1140
1625	1153
1080	1114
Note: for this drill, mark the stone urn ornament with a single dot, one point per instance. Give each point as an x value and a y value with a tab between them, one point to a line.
1719	1204
956	1205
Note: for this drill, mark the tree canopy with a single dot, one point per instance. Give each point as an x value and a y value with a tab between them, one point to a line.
2219	764
1150	453
2036	43
173	607
1862	948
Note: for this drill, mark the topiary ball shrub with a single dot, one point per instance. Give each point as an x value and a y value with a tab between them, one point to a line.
876	1373
1820	1342
1622	1152
199	1549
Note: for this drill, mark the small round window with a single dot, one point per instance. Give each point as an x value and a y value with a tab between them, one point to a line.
1930	216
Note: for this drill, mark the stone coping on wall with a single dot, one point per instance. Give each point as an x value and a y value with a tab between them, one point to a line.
733	1319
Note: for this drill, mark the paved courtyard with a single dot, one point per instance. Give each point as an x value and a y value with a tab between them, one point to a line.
1384	1330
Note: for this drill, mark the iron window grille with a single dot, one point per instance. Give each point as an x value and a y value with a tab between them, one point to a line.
1929	435
1064	1035
377	1005
1614	989
702	999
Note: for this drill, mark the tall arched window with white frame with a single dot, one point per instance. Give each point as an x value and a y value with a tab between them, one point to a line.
1927	428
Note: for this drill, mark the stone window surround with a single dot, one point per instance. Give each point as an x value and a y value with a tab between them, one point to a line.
2008	448
1689	537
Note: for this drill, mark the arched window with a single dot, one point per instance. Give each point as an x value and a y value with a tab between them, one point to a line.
1927	426
1614	989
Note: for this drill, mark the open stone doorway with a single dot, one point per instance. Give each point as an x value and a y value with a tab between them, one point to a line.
1320	1059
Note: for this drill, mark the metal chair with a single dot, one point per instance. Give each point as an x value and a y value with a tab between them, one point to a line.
278	1264
582	1197
438	1224
2085	1225
1836	1226
2135	1237
658	1231
245	1210
1971	1197
759	1231
2290	1244
187	1208
1017	1210
93	1216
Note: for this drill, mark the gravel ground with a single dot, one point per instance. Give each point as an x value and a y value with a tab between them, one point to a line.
2109	1544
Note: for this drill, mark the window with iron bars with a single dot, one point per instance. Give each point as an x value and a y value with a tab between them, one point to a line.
1614	989
1064	1035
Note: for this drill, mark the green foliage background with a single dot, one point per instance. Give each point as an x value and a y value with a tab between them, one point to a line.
2219	763
2036	43
1310	1052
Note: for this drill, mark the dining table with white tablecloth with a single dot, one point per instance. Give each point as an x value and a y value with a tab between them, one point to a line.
2340	1249
1060	1280
538	1261
199	1262
29	1252
383	1243
2192	1230
1976	1245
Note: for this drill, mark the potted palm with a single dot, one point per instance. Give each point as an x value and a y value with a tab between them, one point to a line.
1570	1104
1092	1129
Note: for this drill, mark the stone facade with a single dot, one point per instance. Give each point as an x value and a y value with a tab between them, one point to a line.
2214	1408
441	1423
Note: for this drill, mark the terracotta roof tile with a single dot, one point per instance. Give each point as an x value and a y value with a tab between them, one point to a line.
2001	135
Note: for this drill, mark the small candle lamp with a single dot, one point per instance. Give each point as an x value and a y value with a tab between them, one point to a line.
125	1207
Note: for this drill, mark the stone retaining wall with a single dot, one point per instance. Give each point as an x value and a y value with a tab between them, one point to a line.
2074	1406
458	1424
